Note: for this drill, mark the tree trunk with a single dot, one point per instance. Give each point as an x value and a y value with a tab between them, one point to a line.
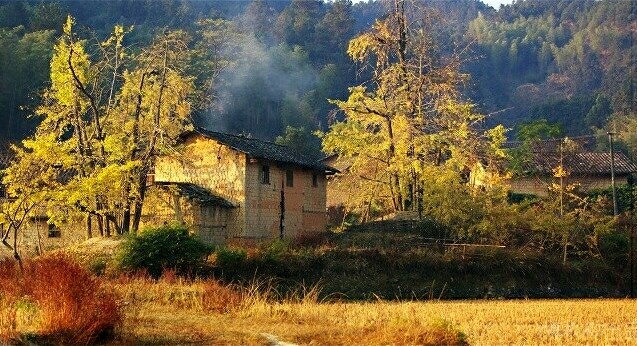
565	249
89	227
126	218
16	255
399	9
100	223
139	204
149	158
395	179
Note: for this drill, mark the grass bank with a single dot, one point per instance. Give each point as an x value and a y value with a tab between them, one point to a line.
423	273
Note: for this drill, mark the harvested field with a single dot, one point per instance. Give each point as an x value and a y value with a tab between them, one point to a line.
177	313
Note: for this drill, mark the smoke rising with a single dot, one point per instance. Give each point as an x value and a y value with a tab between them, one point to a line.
265	89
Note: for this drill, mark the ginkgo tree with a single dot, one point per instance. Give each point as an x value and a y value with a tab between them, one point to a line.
109	112
409	123
28	185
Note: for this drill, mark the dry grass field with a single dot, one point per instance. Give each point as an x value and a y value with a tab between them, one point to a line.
174	312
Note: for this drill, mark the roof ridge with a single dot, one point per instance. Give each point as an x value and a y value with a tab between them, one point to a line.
242	137
257	140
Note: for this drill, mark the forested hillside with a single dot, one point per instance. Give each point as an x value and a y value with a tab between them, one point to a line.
276	63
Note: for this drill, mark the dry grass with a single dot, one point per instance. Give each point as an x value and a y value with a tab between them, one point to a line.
183	312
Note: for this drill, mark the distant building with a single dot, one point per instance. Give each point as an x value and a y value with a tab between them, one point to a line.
37	234
231	188
588	169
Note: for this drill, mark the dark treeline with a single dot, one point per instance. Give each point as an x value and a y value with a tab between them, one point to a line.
571	62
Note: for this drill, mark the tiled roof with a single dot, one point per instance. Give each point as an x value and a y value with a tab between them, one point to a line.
198	194
582	163
544	156
341	164
260	149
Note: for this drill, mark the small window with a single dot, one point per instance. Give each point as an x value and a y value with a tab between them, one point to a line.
54	232
315	180
289	178
265	174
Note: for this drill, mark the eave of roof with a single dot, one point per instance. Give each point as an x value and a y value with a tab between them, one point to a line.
583	163
198	194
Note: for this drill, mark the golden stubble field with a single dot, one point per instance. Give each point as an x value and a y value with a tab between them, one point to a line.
204	313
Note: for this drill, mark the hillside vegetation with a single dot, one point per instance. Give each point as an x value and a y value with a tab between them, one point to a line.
565	61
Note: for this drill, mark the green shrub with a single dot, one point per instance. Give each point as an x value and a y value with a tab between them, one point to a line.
98	266
614	248
166	247
274	250
230	257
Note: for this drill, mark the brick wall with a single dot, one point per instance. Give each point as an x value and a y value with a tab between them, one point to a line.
304	203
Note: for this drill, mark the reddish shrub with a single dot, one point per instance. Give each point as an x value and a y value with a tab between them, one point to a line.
9	295
72	306
218	297
168	276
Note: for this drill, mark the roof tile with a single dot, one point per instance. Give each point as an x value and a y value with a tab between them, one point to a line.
264	150
198	194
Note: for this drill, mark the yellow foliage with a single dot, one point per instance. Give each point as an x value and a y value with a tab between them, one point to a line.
408	124
559	172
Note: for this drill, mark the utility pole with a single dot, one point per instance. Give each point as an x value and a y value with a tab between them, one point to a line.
631	229
562	172
612	172
562	179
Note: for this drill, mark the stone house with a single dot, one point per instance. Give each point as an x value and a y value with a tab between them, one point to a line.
588	170
37	235
225	188
585	168
235	189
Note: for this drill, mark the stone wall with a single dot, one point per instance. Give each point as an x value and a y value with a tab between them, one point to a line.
537	185
36	237
165	206
214	166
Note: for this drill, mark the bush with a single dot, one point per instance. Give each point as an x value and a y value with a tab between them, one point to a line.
274	250
614	247
217	297
167	247
310	239
231	257
56	301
